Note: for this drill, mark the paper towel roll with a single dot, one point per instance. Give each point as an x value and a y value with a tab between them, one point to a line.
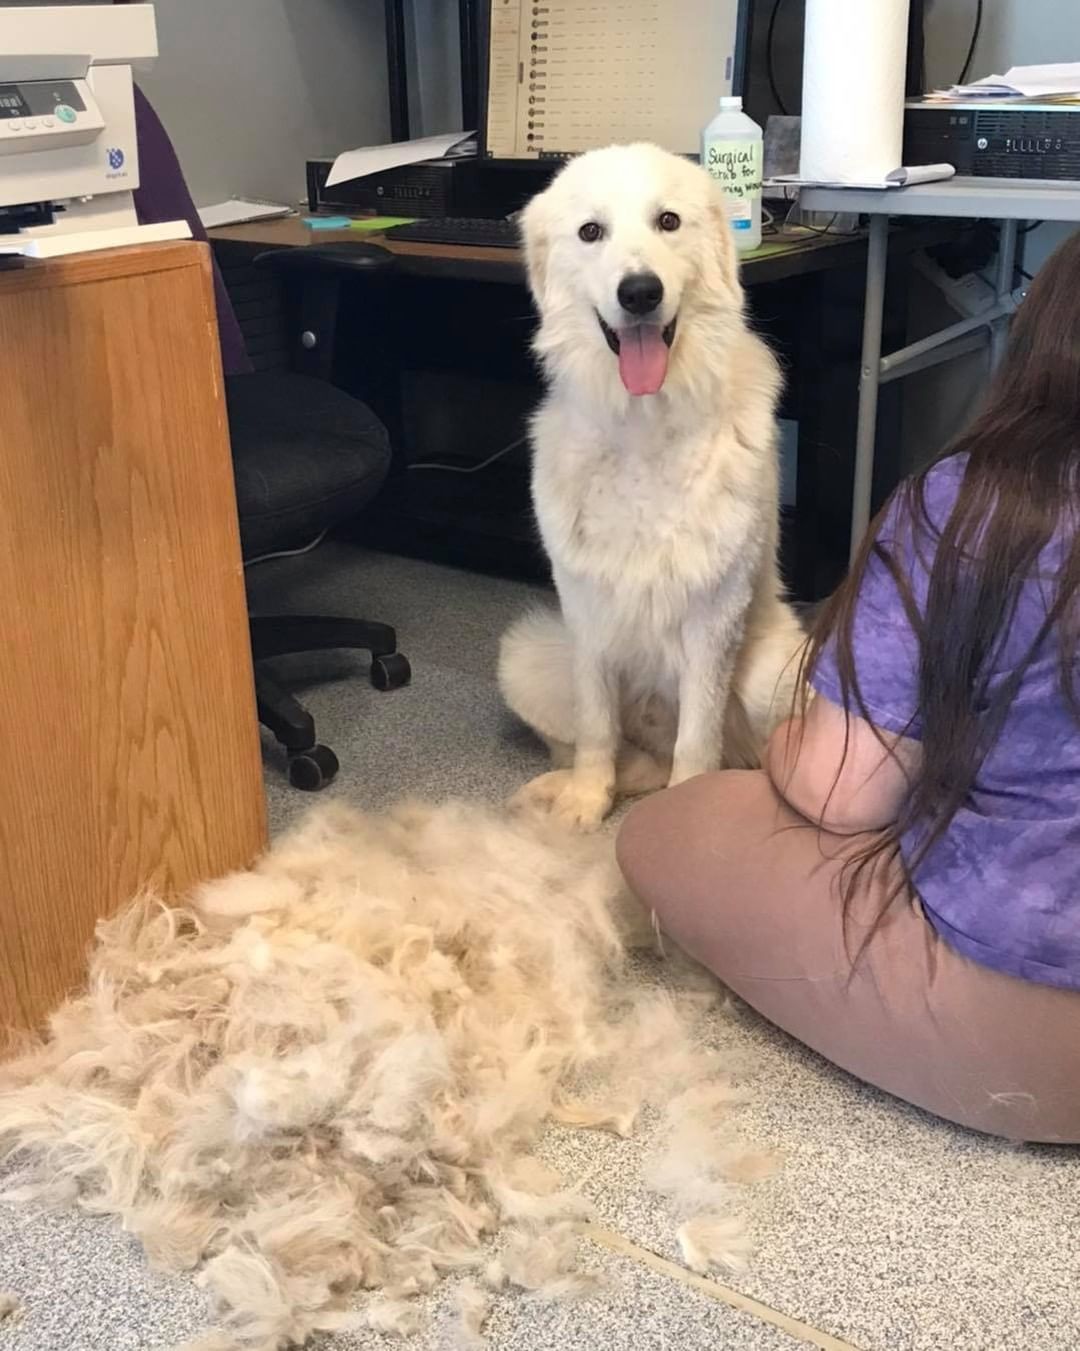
854	68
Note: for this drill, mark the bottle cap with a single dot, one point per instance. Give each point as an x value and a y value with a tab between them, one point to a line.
731	103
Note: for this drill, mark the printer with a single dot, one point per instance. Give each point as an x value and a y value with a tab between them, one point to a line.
68	156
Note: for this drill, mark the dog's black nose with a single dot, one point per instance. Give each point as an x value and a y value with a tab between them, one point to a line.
640	292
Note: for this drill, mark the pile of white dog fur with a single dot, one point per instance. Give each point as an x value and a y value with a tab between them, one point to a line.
320	1083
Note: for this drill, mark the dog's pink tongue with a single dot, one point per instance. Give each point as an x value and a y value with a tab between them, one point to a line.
643	358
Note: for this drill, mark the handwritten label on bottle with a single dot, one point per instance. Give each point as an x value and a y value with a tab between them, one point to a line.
736	166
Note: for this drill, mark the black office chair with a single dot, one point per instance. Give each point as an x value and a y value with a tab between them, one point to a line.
307	456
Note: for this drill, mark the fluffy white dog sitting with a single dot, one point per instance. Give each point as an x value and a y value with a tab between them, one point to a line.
655	483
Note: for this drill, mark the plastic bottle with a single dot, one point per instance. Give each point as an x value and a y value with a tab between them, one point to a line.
731	150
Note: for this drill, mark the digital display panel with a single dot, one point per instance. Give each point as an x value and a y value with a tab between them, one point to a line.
12	103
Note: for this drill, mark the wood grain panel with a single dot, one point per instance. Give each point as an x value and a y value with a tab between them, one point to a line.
129	729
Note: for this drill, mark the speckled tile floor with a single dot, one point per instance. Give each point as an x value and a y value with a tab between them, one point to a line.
885	1228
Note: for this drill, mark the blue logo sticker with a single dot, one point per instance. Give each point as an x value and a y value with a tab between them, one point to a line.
116	158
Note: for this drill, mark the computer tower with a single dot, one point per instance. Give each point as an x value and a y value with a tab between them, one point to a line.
443	187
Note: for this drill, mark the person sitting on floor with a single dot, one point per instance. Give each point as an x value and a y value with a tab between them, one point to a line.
900	887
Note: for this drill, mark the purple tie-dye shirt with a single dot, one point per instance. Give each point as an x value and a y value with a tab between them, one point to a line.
1002	886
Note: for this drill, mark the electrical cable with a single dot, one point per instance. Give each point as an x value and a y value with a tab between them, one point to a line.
288	553
974	41
825	229
470	468
820	229
770	42
446	468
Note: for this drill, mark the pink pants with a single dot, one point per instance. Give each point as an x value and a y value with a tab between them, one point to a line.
751	889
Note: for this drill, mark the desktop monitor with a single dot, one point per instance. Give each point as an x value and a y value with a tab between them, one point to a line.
564	76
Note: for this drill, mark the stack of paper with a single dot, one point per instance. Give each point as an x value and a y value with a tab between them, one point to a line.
376	159
1054	82
237	211
58	244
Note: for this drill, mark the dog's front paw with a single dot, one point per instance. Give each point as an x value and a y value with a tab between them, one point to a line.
574	800
539	794
583	803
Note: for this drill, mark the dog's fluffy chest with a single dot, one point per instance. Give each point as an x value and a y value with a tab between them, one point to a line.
641	503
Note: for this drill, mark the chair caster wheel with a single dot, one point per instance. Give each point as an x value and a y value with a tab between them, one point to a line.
313	769
391	671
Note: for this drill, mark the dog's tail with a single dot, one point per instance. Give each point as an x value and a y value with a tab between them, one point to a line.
536	674
765	681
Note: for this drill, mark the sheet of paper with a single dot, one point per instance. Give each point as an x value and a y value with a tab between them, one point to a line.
921	173
84	241
899	178
377	224
376	159
236	211
591	73
1024	82
1062	78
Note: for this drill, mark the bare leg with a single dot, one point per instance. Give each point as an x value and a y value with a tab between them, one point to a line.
752	890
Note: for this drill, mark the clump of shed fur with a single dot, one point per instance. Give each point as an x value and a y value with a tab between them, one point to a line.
325	1076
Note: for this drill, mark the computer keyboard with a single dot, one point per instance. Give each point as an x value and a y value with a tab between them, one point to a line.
492	234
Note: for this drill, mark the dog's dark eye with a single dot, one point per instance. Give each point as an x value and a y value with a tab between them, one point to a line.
668	220
590	232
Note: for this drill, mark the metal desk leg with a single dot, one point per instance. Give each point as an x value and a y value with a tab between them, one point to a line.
869	378
1006	270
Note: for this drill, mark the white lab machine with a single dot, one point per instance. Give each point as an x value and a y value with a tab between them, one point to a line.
68	155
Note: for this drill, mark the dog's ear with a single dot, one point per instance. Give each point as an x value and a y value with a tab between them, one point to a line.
534	234
723	259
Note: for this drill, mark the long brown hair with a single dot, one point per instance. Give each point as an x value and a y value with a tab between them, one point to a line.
1020	488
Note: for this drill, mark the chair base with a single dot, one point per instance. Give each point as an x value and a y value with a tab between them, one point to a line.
311	765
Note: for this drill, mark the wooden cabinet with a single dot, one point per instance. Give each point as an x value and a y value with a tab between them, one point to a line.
129	748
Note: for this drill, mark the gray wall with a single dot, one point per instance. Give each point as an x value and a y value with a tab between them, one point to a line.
249	89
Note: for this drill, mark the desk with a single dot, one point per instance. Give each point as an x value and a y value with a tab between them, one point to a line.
1007	200
805	294
795	255
131	745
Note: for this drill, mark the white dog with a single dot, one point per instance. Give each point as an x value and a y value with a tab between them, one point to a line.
655	483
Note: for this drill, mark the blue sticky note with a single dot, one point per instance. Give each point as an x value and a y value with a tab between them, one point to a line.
327	222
